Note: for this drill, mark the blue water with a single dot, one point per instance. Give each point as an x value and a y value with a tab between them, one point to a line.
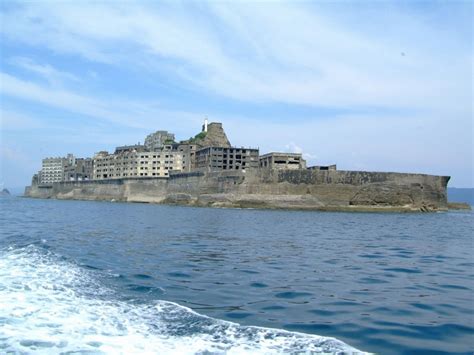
465	195
137	278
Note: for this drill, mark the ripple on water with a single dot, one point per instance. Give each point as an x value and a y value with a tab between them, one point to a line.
456	287
213	250
274	308
178	274
372	256
238	315
258	285
142	276
403	270
245	271
145	289
325	313
292	294
372	280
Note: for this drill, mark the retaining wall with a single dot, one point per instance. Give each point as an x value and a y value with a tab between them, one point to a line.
289	189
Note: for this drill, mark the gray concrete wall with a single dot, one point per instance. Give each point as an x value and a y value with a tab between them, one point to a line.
288	189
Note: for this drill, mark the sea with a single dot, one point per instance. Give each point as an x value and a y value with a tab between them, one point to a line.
104	277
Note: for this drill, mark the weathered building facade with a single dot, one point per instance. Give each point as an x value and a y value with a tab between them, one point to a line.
226	158
138	162
52	170
160	157
80	170
287	161
155	141
67	168
323	167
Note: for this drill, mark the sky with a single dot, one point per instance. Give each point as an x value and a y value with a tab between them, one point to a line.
376	85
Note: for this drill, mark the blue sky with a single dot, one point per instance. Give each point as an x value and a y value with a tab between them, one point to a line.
379	85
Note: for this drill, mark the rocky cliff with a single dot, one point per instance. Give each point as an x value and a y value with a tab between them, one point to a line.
214	137
286	189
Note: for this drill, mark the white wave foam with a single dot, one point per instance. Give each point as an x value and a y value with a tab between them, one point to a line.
51	306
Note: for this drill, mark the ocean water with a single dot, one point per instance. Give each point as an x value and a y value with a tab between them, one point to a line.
101	277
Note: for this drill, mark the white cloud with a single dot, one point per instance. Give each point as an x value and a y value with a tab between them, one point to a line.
13	120
52	75
123	112
292	147
257	52
16	155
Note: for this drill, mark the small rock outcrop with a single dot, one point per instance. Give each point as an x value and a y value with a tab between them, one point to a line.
214	137
4	192
459	206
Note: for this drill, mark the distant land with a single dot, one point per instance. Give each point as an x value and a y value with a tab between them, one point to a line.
456	194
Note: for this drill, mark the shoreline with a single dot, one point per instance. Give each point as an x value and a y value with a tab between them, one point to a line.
341	209
344	191
455	206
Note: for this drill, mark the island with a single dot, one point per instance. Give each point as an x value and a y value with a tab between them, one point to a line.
206	170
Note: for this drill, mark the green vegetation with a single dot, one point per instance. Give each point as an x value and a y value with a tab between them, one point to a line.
198	137
169	141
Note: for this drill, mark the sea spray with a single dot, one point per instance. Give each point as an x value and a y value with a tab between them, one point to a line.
51	305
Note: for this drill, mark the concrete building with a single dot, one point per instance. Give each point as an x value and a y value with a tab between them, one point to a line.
140	163
160	156
226	158
117	165
80	170
323	167
155	141
287	161
67	168
52	170
127	148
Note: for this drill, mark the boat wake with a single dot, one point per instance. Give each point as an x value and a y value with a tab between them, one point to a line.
51	305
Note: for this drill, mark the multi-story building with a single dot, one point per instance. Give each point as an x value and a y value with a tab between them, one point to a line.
155	141
291	161
116	165
226	158
67	168
160	156
138	162
52	170
80	170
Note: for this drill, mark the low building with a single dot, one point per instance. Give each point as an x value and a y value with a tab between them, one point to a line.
226	158
35	180
323	167
289	161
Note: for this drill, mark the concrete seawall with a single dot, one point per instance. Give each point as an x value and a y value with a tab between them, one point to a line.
285	189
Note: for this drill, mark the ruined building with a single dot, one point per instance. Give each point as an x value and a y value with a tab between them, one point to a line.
160	157
155	141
